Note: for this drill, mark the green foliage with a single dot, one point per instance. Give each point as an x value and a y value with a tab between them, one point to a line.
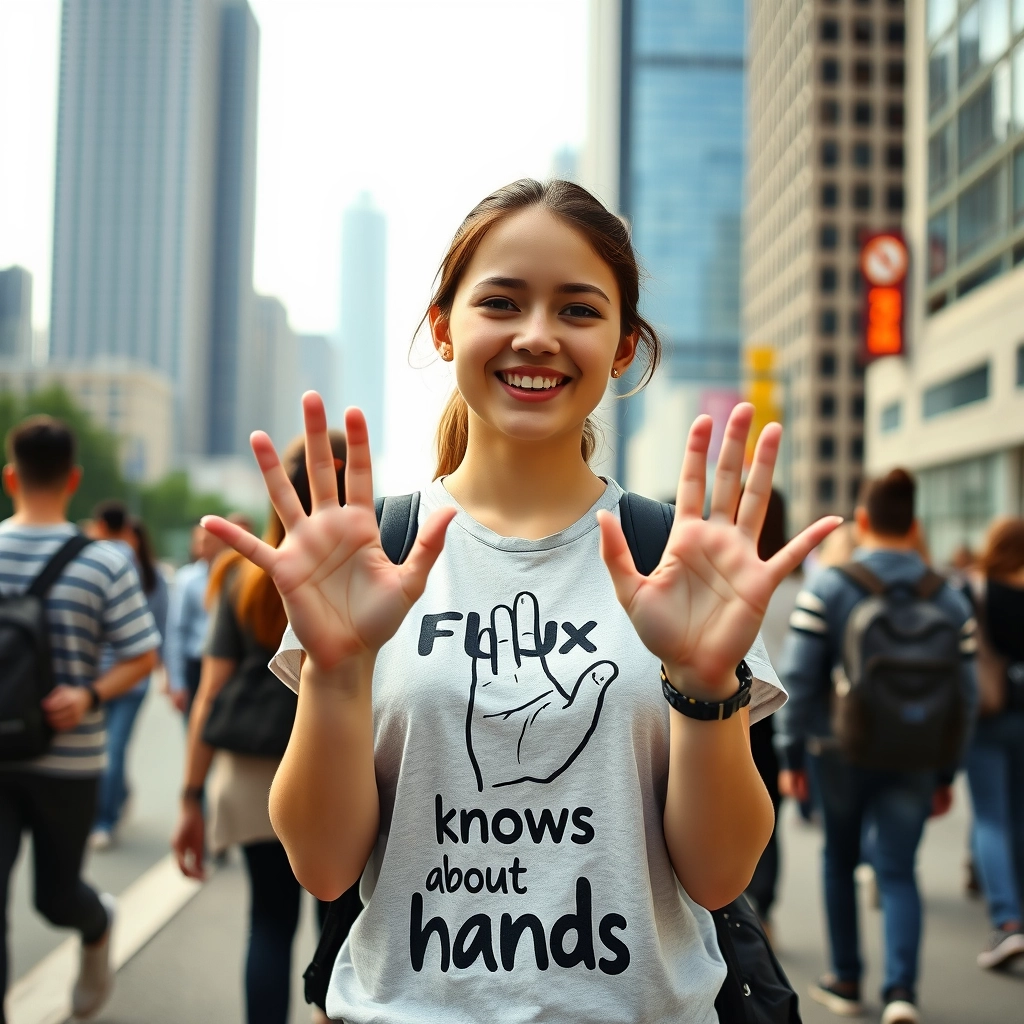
169	508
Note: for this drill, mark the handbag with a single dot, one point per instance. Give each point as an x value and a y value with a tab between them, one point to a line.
254	712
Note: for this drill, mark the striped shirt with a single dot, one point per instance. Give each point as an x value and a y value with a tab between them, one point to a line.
97	600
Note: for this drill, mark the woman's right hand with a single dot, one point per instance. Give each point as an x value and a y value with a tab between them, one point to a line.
343	595
189	840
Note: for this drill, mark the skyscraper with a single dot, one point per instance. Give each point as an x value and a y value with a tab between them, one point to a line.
317	371
363	288
15	316
153	212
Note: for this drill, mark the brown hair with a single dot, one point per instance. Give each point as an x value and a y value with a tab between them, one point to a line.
256	600
889	501
42	450
1003	553
607	234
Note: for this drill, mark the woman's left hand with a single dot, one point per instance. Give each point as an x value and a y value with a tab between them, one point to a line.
701	608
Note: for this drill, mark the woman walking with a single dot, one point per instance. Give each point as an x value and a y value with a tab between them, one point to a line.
483	732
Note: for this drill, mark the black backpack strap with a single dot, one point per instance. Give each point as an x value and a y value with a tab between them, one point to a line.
863	577
398	518
646	524
69	550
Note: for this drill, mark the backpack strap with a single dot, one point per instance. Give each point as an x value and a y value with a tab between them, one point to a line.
861	575
398	518
646	524
72	547
929	585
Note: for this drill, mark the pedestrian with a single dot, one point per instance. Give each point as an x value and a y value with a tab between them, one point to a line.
112	521
995	762
247	625
187	620
889	785
493	742
95	600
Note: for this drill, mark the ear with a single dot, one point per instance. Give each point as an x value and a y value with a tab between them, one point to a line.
861	521
74	479
10	476
626	352
440	332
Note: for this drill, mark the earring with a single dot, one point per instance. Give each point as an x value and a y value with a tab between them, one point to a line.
616	372
446	352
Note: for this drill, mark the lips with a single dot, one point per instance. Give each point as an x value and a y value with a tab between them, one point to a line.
529	384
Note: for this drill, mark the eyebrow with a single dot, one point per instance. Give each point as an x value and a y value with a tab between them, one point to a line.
518	284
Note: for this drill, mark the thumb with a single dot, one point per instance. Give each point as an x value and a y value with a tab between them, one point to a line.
425	552
584	704
618	558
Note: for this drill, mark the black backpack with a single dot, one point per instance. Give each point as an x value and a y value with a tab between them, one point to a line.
756	989
898	698
26	669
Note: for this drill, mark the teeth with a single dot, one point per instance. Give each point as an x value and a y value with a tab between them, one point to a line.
532	383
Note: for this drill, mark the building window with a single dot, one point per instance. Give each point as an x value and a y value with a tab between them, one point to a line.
940	74
938	244
826	447
1020	365
894	198
940	158
856	368
829	195
862	114
827	407
857	235
857	407
857	449
939	15
863	31
830	71
829	236
829	153
829	112
895	74
980	212
829	279
827	321
861	154
829	30
984	273
966	389
895	33
937	302
862	72
892	415
894	115
894	157
1018	170
984	35
855	485
856	281
827	364
826	488
983	121
861	197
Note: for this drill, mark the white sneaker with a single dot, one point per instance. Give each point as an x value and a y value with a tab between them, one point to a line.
1004	947
100	839
899	1011
96	974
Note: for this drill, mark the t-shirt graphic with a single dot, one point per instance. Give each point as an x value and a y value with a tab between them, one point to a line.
521	753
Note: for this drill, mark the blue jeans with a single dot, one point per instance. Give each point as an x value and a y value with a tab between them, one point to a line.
121	713
995	771
897	804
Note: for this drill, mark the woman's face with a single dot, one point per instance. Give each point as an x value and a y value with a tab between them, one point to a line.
534	328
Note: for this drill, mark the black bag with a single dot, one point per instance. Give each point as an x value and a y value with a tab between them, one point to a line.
26	668
756	990
898	698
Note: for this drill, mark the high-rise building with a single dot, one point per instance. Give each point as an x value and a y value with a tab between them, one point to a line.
825	166
666	148
318	371
270	379
362	324
952	407
154	198
15	316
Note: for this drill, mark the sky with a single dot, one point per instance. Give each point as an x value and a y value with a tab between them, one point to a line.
427	104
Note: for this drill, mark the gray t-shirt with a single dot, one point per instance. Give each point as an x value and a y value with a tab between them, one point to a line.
521	752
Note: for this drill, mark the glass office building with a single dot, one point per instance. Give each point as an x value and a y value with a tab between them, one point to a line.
681	184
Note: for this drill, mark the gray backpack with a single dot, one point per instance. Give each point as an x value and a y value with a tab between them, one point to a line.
898	699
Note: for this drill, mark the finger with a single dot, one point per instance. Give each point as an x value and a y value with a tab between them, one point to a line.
758	489
725	493
323	476
693	475
615	552
282	494
782	564
504	642
527	625
425	551
257	551
358	470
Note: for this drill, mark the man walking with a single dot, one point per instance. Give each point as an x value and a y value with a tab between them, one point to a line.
95	600
887	763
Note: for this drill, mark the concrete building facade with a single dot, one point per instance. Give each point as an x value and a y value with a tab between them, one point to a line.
825	166
15	316
952	408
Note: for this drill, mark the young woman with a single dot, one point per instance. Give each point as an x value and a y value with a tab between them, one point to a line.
481	731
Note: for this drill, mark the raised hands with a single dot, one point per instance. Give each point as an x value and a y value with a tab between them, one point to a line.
701	608
343	595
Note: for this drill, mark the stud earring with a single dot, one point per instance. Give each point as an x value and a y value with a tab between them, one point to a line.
446	353
616	372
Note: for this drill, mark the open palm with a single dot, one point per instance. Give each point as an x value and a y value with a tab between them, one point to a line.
342	593
700	609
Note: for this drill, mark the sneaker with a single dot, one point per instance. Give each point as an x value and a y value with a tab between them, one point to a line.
100	839
96	974
900	1008
841	997
1003	947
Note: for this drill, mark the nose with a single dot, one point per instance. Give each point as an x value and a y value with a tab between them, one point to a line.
538	335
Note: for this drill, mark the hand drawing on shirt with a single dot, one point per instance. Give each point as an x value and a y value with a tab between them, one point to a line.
523	725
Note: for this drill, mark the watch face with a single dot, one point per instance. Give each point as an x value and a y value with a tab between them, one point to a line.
883	260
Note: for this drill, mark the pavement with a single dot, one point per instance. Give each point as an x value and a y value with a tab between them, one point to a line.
190	969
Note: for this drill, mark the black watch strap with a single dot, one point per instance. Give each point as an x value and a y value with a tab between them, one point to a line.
706	710
95	700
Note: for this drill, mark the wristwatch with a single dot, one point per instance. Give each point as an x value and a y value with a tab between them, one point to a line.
707	710
95	700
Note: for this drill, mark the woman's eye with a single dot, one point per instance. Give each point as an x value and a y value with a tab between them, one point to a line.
497	302
579	309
